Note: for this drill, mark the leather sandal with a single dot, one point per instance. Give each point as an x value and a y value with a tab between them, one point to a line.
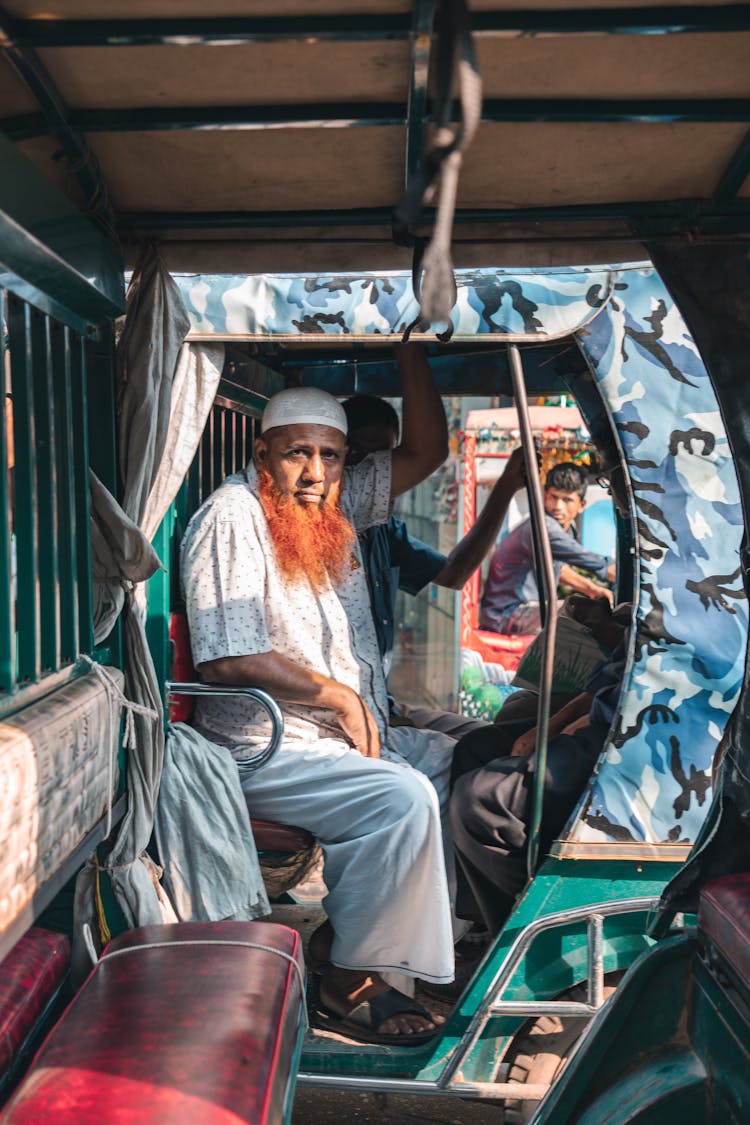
363	1021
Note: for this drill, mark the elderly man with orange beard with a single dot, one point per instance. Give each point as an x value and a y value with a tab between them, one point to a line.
277	598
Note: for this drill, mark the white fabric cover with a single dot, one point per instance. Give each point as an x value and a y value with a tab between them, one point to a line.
58	775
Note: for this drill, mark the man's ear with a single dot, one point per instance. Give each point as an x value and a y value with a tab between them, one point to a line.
260	450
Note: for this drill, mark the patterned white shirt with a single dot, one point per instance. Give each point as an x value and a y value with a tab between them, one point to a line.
239	603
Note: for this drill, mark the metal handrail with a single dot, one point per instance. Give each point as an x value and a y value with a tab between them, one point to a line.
490	1005
547	588
269	705
450	1083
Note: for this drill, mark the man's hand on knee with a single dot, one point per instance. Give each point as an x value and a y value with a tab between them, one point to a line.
358	724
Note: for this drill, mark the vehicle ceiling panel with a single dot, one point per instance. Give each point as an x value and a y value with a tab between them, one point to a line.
617	66
625	128
223	170
248	73
554	164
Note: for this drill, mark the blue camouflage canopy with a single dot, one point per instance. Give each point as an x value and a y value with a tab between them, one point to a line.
652	785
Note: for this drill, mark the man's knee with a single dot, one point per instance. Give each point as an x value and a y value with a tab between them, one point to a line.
407	794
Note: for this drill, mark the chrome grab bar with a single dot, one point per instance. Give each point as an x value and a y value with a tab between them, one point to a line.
269	705
491	1004
450	1082
547	597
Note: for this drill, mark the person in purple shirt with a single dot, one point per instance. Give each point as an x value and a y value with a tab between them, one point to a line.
510	600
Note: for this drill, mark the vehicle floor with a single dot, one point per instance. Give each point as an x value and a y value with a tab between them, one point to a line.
329	1107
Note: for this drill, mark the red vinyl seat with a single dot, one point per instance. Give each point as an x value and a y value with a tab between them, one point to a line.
724	918
268	837
30	977
197	1023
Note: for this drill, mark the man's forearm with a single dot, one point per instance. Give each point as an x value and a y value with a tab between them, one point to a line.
468	554
424	436
576	709
581	584
281	677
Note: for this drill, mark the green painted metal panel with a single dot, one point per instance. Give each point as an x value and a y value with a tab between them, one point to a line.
158	593
47	483
25	491
83	515
7	598
52	255
555	963
66	493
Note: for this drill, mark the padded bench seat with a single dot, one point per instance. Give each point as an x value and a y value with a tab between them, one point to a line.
30	978
192	1023
724	917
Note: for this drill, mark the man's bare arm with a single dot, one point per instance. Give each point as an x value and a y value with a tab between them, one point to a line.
467	555
291	683
583	585
424	434
577	708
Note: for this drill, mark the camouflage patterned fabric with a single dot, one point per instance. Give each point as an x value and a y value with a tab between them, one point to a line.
653	781
360	307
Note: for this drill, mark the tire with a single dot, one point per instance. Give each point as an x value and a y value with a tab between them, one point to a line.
541	1049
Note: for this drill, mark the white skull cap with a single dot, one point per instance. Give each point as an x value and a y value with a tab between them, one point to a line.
306	405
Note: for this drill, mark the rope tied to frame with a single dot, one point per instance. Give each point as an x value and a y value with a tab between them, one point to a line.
433	279
130	708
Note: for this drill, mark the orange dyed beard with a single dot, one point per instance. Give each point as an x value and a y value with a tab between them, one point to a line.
310	541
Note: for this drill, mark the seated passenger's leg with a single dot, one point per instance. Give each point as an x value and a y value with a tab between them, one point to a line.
489	815
378	825
488	808
446	722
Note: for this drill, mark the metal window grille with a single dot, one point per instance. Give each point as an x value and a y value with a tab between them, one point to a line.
45	549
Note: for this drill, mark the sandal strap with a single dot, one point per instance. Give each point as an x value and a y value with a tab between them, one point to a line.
372	1013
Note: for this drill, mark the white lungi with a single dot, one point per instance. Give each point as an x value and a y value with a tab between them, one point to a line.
378	821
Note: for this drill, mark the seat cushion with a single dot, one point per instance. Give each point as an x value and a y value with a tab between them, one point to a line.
187	1023
30	977
280	837
724	917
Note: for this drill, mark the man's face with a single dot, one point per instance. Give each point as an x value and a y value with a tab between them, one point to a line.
563	506
304	460
369	439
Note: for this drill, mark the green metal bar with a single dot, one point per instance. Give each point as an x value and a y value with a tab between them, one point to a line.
233	396
695	213
416	112
219	419
734	175
66	493
345	115
46	473
25	514
7	592
660	20
82	163
79	397
207	458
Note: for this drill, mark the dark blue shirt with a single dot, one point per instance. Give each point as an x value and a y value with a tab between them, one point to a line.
511	581
394	561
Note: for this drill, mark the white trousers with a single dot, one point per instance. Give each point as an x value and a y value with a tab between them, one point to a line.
378	825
